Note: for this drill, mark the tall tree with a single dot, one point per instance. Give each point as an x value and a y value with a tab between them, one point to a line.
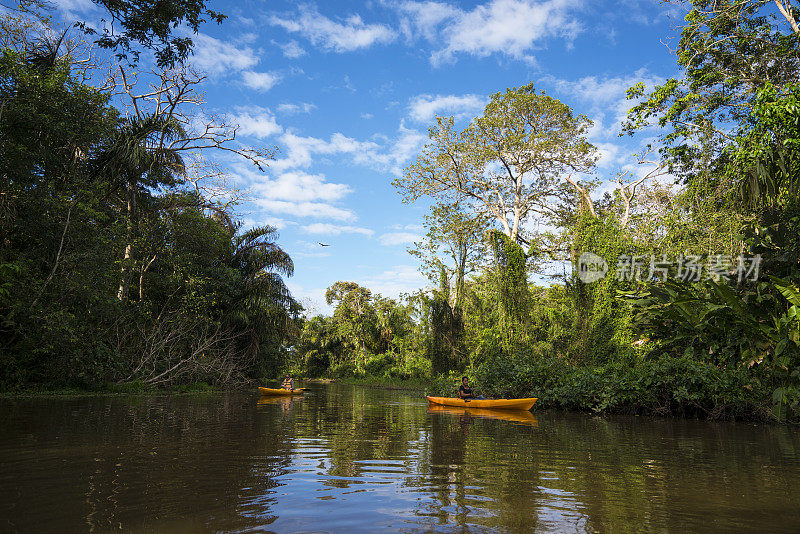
149	24
262	305
138	156
510	162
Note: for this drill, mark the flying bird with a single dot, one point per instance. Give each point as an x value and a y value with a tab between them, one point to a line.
322	244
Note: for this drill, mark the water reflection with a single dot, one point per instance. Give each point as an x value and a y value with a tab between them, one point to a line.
355	459
466	415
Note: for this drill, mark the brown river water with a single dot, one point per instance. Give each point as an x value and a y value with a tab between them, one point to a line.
352	459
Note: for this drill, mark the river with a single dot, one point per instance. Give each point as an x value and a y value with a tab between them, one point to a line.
352	459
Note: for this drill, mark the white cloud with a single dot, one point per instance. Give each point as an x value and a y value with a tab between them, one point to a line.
399	279
509	26
319	210
390	155
608	107
81	6
407	145
300	150
605	94
303	107
512	27
424	108
256	121
398	238
300	187
423	18
218	57
611	154
277	222
296	194
252	221
291	50
260	81
409	227
334	229
350	34
247	38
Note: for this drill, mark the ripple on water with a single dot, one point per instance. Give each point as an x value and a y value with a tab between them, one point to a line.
353	460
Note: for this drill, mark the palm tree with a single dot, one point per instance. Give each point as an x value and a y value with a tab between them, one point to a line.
263	307
138	155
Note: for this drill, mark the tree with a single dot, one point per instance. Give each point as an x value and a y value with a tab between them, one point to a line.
727	51
138	157
393	324
147	23
456	235
319	346
149	147
261	305
446	340
354	316
508	163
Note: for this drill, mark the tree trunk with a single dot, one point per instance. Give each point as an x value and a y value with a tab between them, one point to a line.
141	276
460	268
127	260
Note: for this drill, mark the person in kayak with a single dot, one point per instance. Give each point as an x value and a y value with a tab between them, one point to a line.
465	392
288	383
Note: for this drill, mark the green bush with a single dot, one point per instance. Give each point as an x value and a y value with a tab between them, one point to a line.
344	370
664	385
417	366
379	364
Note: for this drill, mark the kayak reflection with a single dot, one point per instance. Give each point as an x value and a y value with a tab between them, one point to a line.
515	416
284	402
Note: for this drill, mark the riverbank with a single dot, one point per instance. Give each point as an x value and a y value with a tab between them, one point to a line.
111	390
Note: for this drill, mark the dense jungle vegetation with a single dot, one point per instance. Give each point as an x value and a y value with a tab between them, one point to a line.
702	317
121	259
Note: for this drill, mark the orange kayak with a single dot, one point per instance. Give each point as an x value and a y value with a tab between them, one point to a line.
272	391
497	404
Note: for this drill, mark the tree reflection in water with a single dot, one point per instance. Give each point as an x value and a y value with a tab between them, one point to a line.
353	459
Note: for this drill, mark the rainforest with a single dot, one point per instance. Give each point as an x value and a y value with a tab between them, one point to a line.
127	262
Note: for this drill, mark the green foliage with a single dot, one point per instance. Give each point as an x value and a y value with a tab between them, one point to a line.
512	285
150	25
367	335
446	337
662	386
461	235
112	270
726	50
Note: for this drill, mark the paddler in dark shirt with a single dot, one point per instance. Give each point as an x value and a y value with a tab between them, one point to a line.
465	392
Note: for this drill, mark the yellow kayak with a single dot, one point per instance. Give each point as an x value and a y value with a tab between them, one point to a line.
272	391
497	404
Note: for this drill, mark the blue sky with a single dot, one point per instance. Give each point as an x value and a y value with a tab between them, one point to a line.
347	90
